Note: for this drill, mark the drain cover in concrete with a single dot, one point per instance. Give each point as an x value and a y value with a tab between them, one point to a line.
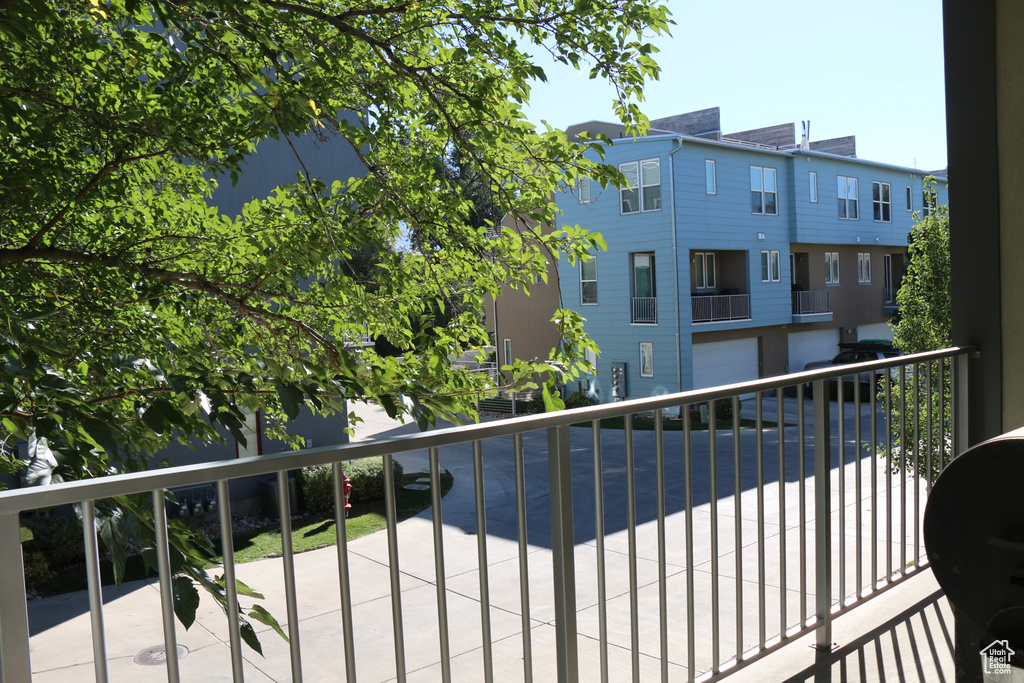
416	487
157	655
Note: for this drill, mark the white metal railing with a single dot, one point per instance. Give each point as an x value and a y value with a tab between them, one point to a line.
644	310
706	485
719	307
816	301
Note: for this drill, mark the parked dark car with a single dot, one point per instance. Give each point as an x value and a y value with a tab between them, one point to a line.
859	352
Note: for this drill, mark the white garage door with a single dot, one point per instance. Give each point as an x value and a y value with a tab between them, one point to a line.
875	331
805	347
724	362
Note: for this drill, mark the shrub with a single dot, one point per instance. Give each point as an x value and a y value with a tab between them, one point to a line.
56	543
316	486
316	483
59	539
579	400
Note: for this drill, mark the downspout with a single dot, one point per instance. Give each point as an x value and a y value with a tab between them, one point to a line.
675	254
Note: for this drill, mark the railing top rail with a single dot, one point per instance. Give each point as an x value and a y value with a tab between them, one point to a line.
14	501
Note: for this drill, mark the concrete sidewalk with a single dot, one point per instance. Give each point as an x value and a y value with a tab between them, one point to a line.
61	647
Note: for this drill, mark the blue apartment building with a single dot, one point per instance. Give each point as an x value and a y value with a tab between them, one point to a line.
734	257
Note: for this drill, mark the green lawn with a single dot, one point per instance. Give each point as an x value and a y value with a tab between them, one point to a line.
317	531
308	533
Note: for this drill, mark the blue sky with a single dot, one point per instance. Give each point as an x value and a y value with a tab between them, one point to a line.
869	68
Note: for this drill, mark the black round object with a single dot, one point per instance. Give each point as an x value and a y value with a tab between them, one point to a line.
974	534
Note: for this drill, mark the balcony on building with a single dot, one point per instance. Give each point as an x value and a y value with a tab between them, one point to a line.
718	286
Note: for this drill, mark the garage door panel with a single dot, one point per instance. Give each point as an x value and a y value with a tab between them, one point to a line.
812	345
725	362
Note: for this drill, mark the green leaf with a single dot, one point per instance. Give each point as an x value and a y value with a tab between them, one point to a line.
261	615
248	634
26	534
186	600
552	401
291	399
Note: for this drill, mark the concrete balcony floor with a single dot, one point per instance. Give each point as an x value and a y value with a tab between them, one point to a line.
905	634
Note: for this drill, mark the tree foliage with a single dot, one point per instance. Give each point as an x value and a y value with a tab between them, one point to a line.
133	313
921	395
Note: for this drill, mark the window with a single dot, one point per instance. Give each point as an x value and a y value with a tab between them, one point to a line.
831	267
710	184
881	200
588	282
864	268
770	266
644	303
643	183
647	359
812	179
590	355
847	188
928	202
583	190
910	198
763	191
704	270
508	352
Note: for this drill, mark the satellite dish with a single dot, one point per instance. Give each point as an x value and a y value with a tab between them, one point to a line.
974	535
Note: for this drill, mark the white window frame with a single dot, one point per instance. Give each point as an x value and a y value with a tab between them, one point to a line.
637	171
762	173
864	268
700	277
831	267
506	348
590	355
647	359
844	185
910	198
812	181
880	205
771	267
585	281
710	177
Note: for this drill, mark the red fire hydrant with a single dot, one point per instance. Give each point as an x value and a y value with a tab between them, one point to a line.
348	489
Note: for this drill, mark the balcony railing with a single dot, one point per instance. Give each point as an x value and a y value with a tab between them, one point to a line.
720	307
806	303
574	514
645	310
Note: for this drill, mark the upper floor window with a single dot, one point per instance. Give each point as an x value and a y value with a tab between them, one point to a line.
771	269
588	281
881	201
710	182
763	191
928	202
831	267
864	267
812	181
583	190
643	186
847	190
704	270
910	198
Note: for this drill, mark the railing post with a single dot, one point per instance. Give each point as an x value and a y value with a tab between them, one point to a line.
823	515
15	663
961	363
562	554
